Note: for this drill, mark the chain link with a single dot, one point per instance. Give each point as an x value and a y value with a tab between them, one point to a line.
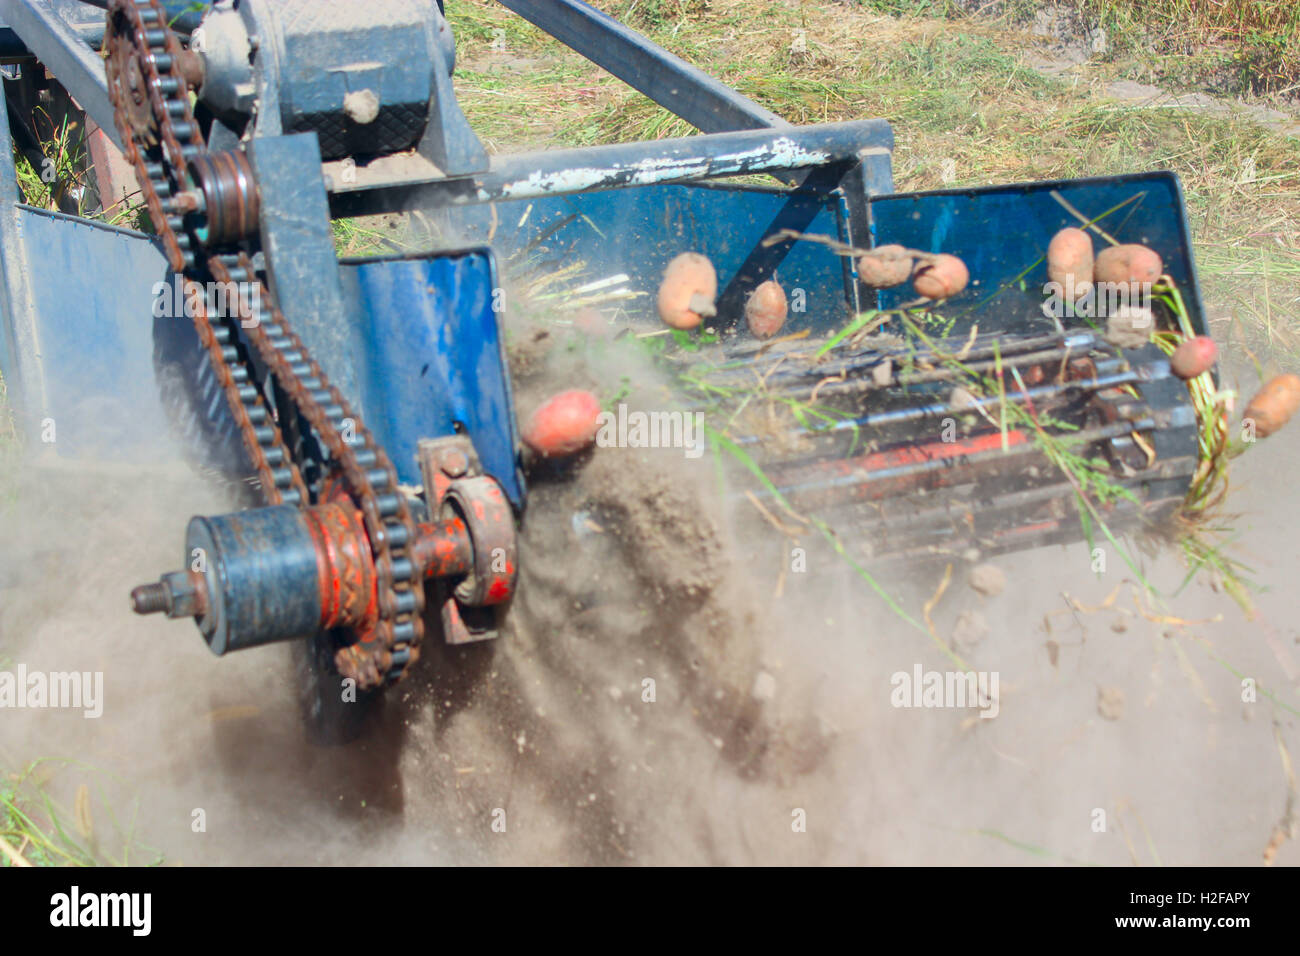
144	66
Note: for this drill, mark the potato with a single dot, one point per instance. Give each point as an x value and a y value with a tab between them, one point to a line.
1273	405
941	277
766	309
884	267
686	295
1070	259
1194	356
591	322
564	424
1129	265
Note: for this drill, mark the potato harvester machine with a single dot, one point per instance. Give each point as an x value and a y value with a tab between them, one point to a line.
368	399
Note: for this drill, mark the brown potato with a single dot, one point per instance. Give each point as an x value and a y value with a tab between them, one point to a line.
1194	356
686	295
766	309
941	277
1273	405
884	267
1128	265
1070	259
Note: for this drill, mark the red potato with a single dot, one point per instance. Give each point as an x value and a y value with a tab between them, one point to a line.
1130	265
884	267
686	295
1070	259
941	277
564	424
766	309
1194	356
1273	405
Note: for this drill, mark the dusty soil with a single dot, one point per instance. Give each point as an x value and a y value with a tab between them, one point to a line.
548	746
772	688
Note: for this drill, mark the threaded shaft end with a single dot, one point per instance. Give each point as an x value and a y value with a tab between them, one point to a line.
150	598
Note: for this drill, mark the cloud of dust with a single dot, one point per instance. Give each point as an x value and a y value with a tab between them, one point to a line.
678	685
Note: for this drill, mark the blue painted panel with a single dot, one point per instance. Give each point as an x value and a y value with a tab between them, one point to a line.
638	230
92	309
423	329
432	357
1000	232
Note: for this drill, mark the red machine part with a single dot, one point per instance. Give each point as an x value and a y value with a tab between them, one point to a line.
473	540
480	503
463	497
345	567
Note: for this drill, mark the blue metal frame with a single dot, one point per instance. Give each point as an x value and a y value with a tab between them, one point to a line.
73	348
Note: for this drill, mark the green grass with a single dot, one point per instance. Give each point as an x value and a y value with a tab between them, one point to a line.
1234	45
41	831
62	167
362	237
913	8
64	173
1253	43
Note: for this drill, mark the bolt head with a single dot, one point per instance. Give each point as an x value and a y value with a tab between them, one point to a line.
454	462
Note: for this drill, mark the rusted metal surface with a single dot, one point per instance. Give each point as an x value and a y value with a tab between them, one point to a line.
179	594
229	195
146	65
346	572
443	548
480	502
442	461
470	503
201	601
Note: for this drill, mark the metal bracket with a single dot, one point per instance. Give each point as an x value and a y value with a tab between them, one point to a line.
299	245
442	461
454	485
448	140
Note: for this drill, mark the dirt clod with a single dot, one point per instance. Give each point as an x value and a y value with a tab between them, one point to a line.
1110	702
970	629
1130	327
988	579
